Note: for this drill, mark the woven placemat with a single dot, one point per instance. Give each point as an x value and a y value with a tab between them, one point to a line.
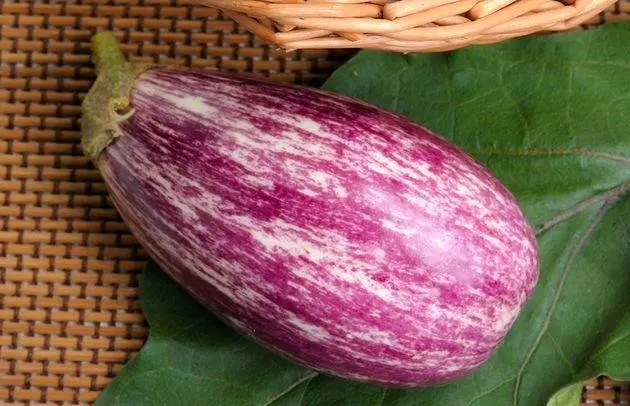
69	314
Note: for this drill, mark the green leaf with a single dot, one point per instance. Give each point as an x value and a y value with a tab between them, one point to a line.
550	116
611	359
567	396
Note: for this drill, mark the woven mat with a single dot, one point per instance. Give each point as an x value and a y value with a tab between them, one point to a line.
69	314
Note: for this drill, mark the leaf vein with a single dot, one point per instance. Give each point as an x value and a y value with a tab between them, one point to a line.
565	273
301	402
568	107
578	208
477	97
305	378
510	96
561	353
610	344
206	377
381	401
399	87
489	391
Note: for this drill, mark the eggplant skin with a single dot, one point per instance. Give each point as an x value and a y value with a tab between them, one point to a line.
339	235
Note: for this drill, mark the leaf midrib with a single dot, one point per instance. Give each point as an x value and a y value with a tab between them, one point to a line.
593	223
611	195
306	378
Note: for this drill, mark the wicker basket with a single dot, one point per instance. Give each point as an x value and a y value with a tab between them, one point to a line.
403	25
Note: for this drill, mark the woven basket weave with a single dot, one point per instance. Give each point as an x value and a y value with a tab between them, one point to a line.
69	314
404	25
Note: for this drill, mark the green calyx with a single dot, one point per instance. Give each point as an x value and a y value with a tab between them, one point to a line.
108	102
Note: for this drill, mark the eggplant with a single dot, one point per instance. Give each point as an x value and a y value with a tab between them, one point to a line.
337	234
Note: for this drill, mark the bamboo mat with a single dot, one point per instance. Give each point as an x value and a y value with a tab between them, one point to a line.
69	314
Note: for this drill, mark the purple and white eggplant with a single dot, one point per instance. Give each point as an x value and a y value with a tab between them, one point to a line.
335	233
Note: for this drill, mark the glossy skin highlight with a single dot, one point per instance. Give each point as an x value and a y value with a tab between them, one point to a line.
340	235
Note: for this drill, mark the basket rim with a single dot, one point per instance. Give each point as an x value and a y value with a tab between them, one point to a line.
404	25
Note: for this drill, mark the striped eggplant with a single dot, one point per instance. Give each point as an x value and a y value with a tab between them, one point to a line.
340	235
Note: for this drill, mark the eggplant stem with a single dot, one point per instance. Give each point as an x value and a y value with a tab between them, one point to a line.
108	56
108	103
